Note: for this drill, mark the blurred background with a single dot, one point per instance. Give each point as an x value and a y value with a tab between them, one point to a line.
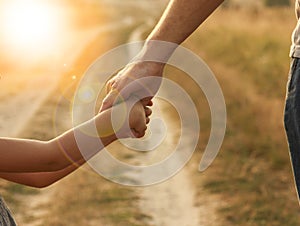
46	46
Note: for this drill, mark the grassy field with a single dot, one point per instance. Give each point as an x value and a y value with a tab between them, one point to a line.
248	51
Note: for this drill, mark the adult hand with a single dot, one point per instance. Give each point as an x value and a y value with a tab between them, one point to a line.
141	79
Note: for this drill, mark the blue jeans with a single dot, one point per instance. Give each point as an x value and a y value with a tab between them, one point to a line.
292	118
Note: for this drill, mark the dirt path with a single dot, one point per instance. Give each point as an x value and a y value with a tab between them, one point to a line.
173	202
170	203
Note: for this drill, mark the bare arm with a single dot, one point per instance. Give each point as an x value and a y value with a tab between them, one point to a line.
20	156
29	156
41	179
180	19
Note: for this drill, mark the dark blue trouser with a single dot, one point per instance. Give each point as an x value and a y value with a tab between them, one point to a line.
292	118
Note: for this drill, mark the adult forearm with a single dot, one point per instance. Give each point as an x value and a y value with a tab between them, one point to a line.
180	19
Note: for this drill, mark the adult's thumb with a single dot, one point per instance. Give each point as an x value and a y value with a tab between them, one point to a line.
109	100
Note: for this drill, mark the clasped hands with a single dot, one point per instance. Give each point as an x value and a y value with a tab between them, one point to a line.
134	86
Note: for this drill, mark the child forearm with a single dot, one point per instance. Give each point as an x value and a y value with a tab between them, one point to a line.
20	155
40	179
84	141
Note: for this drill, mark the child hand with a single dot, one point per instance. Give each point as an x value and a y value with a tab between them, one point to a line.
138	119
124	120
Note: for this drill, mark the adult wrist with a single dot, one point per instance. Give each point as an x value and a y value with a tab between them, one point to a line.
156	51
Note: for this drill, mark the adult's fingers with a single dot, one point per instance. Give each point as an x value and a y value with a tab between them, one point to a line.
110	99
109	85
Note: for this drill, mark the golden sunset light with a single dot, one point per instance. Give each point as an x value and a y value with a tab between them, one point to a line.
29	25
150	112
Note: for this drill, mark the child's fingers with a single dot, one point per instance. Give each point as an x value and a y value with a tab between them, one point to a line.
147	101
147	120
138	133
150	103
141	127
134	133
148	111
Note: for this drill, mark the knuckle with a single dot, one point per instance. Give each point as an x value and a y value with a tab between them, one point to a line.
141	134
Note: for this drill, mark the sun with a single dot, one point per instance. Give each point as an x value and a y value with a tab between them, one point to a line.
28	23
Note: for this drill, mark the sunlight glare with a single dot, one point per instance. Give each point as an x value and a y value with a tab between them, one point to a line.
28	24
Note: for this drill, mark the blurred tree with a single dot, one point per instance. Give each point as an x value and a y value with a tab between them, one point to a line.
277	2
